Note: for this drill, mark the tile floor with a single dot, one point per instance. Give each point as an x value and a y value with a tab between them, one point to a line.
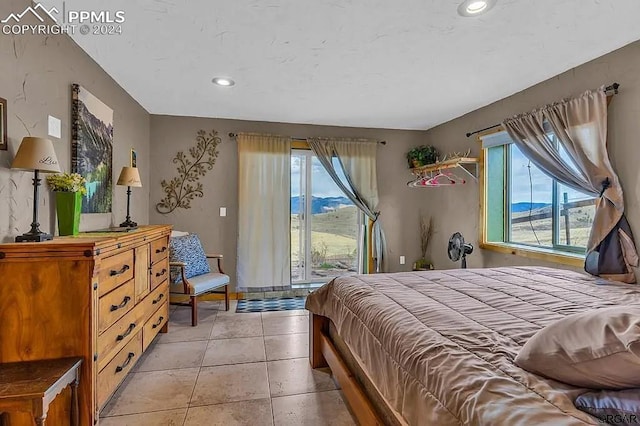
232	369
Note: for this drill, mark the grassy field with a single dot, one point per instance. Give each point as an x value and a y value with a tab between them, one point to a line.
334	240
337	246
342	222
580	220
334	236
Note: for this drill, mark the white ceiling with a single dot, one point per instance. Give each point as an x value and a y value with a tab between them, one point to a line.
404	64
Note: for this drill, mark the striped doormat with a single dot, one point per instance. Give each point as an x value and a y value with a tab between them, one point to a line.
269	305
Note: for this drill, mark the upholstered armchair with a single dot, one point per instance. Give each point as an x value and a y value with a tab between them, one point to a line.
191	274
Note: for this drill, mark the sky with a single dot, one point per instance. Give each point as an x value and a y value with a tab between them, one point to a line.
540	184
96	107
322	184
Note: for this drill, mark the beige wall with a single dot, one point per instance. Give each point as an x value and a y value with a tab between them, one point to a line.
36	76
398	203
457	209
453	208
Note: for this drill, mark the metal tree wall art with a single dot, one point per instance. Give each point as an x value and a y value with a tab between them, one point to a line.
181	190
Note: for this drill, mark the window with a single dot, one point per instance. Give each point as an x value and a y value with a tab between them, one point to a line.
526	208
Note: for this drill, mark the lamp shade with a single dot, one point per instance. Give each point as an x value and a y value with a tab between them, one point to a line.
36	154
129	176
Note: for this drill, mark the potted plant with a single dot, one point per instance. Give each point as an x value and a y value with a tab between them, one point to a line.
422	155
426	232
69	189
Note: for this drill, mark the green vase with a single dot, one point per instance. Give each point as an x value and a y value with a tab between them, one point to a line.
68	206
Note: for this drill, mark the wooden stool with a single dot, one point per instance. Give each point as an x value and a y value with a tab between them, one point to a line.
31	386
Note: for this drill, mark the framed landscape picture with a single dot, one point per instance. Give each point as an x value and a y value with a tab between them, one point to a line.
134	158
92	148
3	125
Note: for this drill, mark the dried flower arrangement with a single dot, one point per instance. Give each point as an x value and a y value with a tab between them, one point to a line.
426	232
455	155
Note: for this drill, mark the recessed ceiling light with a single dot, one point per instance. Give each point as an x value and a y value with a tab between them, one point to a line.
475	7
223	81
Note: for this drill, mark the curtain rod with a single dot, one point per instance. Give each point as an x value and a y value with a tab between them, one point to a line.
233	135
613	87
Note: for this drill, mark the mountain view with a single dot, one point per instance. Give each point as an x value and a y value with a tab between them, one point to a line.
320	204
328	204
525	207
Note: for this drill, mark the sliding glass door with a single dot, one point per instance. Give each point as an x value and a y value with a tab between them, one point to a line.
298	215
324	224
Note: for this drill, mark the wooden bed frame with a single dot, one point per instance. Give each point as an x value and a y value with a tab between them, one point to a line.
323	353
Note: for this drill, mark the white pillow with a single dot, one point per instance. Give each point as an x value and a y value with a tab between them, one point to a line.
178	234
598	349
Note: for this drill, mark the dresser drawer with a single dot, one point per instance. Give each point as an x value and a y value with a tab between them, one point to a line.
120	334
154	324
159	273
141	273
111	376
154	300
114	305
159	249
114	271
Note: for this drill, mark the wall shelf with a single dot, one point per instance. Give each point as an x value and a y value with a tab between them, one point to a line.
466	164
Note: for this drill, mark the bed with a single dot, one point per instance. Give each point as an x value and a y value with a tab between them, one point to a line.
437	347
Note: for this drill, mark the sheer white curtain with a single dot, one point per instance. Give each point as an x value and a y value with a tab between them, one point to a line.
264	185
357	158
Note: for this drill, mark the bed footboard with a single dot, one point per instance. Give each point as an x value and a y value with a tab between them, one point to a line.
322	353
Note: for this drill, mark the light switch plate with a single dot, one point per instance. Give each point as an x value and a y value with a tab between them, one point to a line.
55	127
402	260
223	211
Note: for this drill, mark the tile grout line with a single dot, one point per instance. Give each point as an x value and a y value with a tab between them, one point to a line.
266	363
215	404
309	393
142	412
184	419
186	414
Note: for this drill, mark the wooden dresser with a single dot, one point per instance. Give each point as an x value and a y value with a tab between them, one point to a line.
100	296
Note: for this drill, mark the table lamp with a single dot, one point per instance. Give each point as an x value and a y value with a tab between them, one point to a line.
36	154
129	177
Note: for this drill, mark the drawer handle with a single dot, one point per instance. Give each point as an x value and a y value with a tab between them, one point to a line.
158	323
124	269
126	333
161	273
162	250
127	362
155	302
121	305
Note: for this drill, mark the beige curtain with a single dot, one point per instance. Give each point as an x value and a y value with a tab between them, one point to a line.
264	185
358	159
580	124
